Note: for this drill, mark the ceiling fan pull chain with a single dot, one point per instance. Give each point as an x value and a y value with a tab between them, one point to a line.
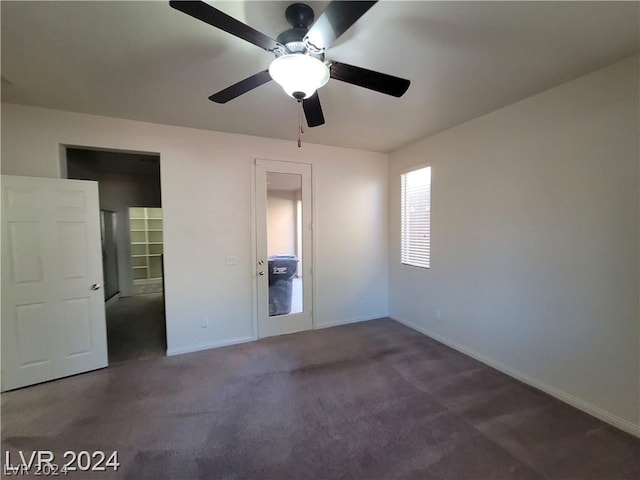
300	128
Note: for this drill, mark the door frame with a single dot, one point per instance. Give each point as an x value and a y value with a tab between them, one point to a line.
254	242
125	285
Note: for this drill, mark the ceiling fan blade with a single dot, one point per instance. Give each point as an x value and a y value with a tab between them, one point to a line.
221	20
334	21
313	111
243	86
380	82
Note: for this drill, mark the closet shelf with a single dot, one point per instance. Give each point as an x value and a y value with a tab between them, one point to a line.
146	242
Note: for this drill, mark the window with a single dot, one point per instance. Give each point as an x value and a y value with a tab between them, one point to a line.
415	217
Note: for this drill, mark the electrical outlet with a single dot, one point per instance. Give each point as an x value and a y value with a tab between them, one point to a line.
231	260
204	323
437	315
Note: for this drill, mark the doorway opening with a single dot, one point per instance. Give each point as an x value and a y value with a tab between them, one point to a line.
132	247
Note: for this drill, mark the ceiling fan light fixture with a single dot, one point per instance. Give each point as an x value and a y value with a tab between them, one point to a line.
299	75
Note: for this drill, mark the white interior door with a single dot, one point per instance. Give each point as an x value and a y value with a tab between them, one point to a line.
284	247
53	318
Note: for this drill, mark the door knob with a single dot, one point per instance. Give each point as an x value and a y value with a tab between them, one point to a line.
95	286
261	273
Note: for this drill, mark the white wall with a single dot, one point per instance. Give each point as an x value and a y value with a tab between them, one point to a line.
535	244
207	205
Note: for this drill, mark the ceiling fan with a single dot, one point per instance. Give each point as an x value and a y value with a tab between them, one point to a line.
299	66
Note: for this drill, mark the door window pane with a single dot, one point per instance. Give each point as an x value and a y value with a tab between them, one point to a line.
284	243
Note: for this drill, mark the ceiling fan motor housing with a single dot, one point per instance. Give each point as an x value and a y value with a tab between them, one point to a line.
300	16
293	39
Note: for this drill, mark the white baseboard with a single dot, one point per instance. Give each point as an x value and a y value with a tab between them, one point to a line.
586	407
235	341
347	321
207	346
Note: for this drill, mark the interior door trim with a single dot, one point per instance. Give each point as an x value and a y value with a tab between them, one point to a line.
254	243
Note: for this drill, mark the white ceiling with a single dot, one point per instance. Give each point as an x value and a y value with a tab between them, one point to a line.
147	61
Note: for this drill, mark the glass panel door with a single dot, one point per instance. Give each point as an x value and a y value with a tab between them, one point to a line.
284	194
109	253
283	270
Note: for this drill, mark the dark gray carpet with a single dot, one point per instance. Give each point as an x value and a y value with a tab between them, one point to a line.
369	400
136	328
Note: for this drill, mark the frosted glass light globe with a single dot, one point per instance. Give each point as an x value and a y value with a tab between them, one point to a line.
299	75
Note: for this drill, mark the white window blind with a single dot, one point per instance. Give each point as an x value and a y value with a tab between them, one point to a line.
415	217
